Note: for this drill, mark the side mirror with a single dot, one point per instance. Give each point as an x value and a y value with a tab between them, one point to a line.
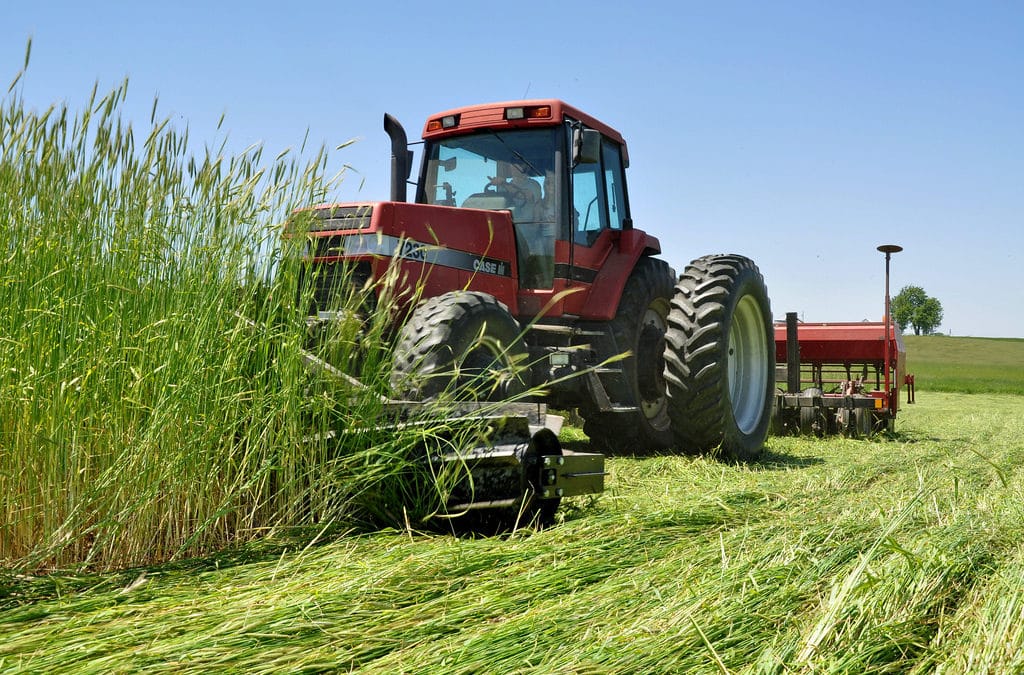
586	146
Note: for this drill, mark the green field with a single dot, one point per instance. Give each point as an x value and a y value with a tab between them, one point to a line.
164	507
961	364
893	555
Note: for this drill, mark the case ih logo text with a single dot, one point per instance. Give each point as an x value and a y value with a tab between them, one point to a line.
489	266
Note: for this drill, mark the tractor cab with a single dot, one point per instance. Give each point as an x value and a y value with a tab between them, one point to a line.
511	171
560	176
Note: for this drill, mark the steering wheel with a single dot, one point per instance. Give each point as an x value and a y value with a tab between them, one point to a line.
517	195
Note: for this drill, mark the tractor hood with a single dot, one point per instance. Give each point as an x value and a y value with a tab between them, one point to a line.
479	245
410	231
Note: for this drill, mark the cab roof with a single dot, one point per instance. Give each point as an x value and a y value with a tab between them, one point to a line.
538	112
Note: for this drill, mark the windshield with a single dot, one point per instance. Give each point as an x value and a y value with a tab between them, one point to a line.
512	170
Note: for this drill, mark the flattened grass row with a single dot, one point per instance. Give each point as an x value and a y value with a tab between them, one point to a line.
841	556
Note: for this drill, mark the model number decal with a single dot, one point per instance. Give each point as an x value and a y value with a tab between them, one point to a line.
413	250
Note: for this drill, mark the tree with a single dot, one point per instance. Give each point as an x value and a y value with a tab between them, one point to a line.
913	307
929	316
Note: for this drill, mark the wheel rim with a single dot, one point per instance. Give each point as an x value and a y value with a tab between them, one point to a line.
484	372
650	365
748	377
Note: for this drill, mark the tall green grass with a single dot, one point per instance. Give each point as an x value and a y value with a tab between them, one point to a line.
154	402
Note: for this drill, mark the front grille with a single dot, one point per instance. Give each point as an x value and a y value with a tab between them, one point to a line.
337	286
322	247
341	218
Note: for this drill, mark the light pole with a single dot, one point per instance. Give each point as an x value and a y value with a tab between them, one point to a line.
888	250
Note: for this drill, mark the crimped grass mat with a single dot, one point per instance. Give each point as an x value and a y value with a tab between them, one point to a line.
894	555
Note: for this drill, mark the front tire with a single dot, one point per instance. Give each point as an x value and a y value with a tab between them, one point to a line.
463	345
720	358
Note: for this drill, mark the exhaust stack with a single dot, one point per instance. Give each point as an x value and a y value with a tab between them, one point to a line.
401	158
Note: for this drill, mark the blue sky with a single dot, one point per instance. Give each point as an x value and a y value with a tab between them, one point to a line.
801	134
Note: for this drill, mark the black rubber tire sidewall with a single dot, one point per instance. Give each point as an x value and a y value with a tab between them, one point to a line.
696	356
439	333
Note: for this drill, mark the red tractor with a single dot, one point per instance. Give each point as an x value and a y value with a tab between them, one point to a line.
530	274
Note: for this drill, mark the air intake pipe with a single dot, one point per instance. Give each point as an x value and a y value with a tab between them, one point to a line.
401	158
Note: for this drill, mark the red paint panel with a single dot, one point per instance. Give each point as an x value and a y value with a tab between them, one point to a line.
492	116
841	342
468	235
613	256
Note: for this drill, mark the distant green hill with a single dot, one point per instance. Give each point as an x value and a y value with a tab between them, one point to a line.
966	364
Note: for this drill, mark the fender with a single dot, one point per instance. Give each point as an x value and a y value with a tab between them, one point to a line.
603	299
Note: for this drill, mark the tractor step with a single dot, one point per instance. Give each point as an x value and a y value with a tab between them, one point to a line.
599	394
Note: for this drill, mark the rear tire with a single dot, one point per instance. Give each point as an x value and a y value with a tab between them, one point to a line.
639	327
461	344
720	358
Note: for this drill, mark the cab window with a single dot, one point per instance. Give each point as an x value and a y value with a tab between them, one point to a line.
614	181
588	200
599	195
